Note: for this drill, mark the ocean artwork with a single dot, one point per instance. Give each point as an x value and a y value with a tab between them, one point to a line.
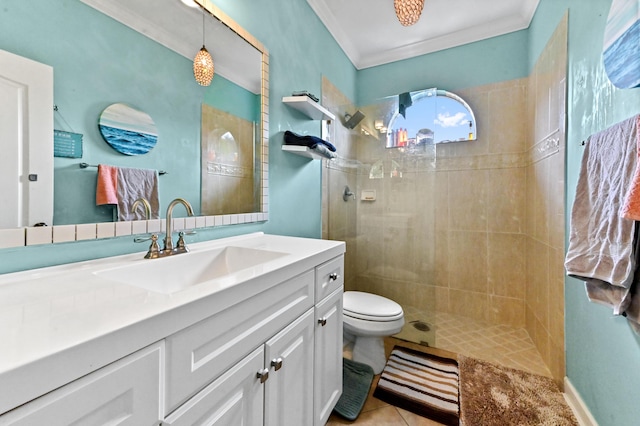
621	51
128	130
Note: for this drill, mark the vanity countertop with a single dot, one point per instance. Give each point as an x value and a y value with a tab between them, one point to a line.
61	322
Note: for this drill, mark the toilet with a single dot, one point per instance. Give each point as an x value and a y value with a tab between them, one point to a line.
367	319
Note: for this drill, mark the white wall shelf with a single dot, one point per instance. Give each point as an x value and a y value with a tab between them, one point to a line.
304	151
308	107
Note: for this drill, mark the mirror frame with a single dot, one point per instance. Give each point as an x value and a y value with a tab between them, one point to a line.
27	236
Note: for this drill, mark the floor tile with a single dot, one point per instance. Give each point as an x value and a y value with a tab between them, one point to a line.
384	416
501	344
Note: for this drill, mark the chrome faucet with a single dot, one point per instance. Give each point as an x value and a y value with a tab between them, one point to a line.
168	241
145	204
154	250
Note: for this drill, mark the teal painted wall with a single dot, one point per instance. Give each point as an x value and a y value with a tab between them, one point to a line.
233	99
602	353
301	50
94	66
107	62
487	61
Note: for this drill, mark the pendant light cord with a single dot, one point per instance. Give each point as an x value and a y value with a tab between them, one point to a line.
202	27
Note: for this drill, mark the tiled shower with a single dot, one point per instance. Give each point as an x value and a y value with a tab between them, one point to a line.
471	229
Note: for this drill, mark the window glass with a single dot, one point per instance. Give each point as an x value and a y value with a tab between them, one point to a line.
429	117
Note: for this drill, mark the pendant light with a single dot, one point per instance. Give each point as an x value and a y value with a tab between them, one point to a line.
203	63
408	11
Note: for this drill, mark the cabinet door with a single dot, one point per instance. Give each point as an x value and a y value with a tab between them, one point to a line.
199	354
126	392
235	398
327	380
289	390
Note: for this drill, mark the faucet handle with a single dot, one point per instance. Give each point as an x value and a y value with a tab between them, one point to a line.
180	245
143	239
154	249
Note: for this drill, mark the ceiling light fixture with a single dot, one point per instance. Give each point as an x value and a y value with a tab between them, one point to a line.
408	11
190	3
203	63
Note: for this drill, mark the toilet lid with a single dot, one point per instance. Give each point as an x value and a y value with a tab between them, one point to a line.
371	307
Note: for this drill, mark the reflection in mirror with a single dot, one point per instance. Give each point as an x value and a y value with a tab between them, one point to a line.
234	108
228	181
429	117
128	130
113	64
233	137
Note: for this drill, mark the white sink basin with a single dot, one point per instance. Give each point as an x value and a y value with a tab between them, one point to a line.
175	273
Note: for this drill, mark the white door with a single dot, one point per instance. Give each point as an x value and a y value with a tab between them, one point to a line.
26	141
327	380
289	390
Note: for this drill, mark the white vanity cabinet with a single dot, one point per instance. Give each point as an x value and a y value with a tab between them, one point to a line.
265	352
272	386
294	378
126	392
202	352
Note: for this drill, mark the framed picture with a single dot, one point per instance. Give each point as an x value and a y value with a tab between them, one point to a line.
621	51
128	130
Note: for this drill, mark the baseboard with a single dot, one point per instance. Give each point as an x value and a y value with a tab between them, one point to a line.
578	406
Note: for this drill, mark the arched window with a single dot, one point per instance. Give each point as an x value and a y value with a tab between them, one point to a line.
429	117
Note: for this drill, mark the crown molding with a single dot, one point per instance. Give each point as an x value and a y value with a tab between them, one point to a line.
485	30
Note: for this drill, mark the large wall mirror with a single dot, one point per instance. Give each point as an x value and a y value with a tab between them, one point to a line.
97	62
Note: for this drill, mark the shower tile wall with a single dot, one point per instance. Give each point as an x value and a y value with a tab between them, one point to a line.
480	210
339	217
473	229
448	234
545	203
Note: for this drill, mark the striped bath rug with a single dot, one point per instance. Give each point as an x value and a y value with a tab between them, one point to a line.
422	383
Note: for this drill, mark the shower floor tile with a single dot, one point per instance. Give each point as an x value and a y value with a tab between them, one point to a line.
500	344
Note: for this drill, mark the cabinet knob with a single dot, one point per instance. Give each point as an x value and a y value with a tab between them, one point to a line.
322	321
276	363
263	375
333	276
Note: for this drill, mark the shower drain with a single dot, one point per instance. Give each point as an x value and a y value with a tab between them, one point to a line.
420	325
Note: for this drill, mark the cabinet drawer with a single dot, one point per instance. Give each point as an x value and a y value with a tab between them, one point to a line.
126	392
202	352
329	277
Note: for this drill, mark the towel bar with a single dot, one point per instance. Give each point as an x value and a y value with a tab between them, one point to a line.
85	165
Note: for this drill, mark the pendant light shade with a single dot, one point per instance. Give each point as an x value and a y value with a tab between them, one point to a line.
203	63
408	11
203	67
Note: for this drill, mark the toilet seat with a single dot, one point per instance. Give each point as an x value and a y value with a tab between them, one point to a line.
370	307
367	319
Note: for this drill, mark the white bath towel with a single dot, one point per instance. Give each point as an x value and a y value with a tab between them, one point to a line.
602	245
133	184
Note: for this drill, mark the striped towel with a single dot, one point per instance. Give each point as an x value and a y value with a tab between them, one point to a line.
422	383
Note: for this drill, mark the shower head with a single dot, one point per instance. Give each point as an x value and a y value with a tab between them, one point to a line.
352	121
